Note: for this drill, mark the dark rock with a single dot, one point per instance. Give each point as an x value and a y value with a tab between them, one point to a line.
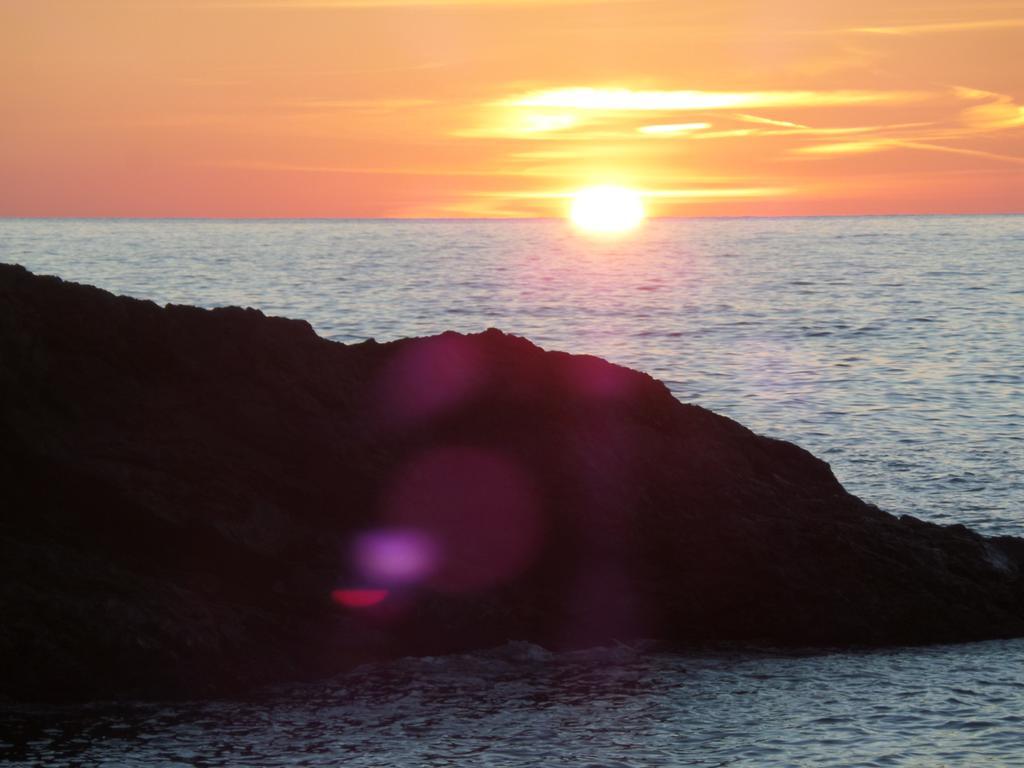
196	501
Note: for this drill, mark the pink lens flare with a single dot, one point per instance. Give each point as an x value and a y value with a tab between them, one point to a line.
395	556
596	378
428	377
478	507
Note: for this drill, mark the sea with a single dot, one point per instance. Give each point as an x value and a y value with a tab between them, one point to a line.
891	347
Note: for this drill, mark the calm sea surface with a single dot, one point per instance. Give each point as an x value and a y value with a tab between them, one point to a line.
891	347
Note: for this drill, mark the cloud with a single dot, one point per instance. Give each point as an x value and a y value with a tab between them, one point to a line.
999	112
614	114
733	133
629	134
527	125
692	194
621	116
848	147
952	26
734	193
628	100
768	121
962	151
881	145
985	113
806	130
672	129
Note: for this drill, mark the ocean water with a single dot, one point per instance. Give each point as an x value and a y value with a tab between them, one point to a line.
892	347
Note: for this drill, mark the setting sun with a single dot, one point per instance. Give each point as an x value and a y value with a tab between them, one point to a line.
606	210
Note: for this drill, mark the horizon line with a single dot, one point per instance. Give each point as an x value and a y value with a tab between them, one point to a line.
496	219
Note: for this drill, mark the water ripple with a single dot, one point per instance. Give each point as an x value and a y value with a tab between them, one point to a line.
520	705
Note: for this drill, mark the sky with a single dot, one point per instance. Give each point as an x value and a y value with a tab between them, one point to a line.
503	108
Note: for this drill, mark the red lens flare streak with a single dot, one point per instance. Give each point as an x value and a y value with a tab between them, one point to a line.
359	598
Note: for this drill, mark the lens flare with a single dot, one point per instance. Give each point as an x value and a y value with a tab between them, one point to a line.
607	210
395	556
359	598
476	511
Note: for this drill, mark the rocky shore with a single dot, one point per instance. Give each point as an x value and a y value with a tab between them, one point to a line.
197	501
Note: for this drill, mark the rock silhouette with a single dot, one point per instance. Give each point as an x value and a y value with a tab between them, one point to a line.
196	501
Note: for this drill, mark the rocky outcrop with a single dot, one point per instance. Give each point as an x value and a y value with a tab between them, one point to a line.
200	500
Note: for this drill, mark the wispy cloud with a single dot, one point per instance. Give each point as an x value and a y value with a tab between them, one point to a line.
972	114
693	194
882	145
963	151
949	26
733	193
807	130
612	114
626	99
590	133
768	121
672	129
848	147
999	111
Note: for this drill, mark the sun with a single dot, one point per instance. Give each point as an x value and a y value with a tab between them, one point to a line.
607	210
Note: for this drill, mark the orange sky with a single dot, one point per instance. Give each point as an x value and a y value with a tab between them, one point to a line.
256	108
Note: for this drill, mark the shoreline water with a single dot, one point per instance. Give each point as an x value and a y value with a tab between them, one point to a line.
521	706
